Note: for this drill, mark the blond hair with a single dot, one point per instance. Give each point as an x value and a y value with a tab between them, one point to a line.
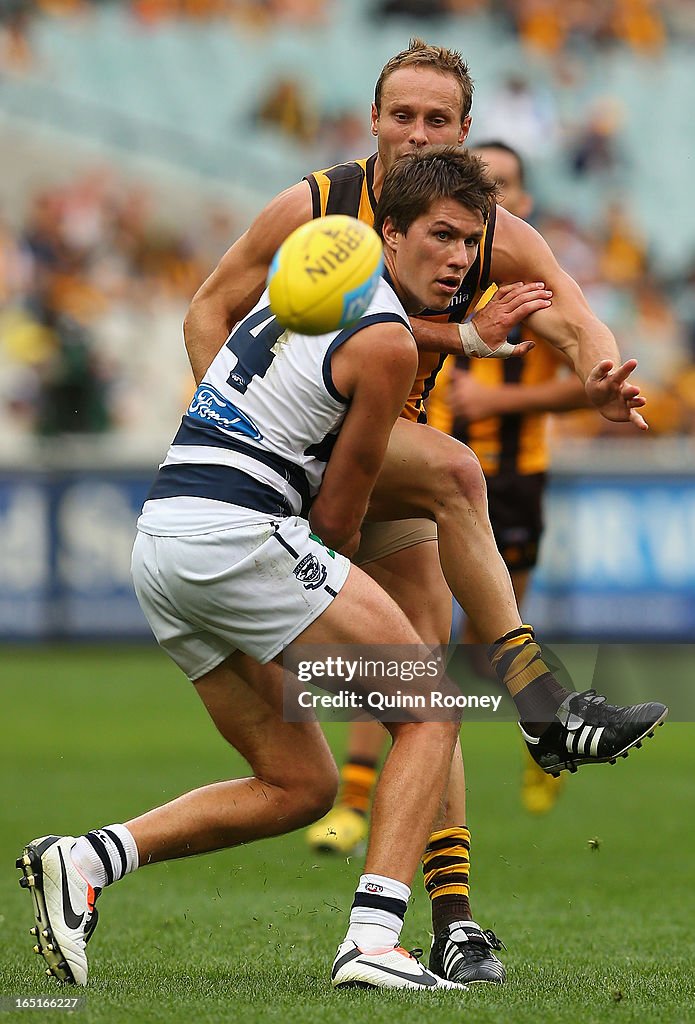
422	55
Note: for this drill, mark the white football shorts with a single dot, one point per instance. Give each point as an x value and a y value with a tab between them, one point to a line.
250	588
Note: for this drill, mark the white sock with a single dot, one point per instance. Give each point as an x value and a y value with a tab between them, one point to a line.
373	938
376	917
104	855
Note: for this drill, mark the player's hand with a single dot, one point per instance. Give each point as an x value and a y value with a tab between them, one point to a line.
469	400
608	389
510	304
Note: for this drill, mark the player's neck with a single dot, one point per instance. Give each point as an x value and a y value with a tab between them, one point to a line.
410	304
379	175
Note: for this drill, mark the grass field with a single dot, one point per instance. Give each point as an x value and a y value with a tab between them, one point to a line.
91	737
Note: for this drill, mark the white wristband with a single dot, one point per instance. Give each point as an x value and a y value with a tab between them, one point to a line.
473	345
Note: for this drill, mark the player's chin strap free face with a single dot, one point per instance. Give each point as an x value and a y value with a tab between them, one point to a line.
473	345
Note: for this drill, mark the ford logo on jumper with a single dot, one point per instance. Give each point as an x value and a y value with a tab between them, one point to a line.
210	406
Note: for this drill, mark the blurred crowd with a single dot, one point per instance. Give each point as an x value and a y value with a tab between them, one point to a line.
549	26
94	282
653	318
553	25
17	16
93	289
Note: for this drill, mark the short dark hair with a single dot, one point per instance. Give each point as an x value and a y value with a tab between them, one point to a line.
420	54
419	179
503	147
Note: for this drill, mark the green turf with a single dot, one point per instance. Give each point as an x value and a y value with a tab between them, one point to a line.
94	736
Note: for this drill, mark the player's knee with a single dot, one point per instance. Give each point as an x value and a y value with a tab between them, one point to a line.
325	789
435	734
462	476
317	793
321	801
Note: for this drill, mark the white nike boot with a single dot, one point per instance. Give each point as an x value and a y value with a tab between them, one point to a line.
392	968
63	906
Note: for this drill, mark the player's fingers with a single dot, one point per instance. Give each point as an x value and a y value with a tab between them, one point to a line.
623	372
637	402
523	348
638	420
520	309
505	290
521	292
601	370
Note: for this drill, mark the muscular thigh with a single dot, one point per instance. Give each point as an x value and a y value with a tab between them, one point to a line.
362	613
413	577
245	701
245	698
417	461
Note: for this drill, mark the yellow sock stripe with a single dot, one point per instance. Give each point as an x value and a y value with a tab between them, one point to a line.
523	659
524	668
459	832
516	685
508	645
450	845
431	876
458	852
450	890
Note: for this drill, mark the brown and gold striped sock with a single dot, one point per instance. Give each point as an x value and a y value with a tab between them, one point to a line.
357	778
446	866
518	662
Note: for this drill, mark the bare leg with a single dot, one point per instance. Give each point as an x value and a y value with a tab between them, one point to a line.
294	776
453	812
428	474
477	654
520	580
405	799
413	578
365	741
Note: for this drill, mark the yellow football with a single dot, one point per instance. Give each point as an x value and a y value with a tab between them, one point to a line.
324	274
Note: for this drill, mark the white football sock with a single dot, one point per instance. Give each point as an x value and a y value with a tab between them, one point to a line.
104	855
376	917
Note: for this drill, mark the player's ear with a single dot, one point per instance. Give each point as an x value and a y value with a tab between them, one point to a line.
375	120
465	128
389	235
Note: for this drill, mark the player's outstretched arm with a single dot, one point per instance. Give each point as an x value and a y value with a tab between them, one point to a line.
569	324
237	282
375	369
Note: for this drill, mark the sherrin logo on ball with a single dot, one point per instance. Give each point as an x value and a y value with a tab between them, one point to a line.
324	274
